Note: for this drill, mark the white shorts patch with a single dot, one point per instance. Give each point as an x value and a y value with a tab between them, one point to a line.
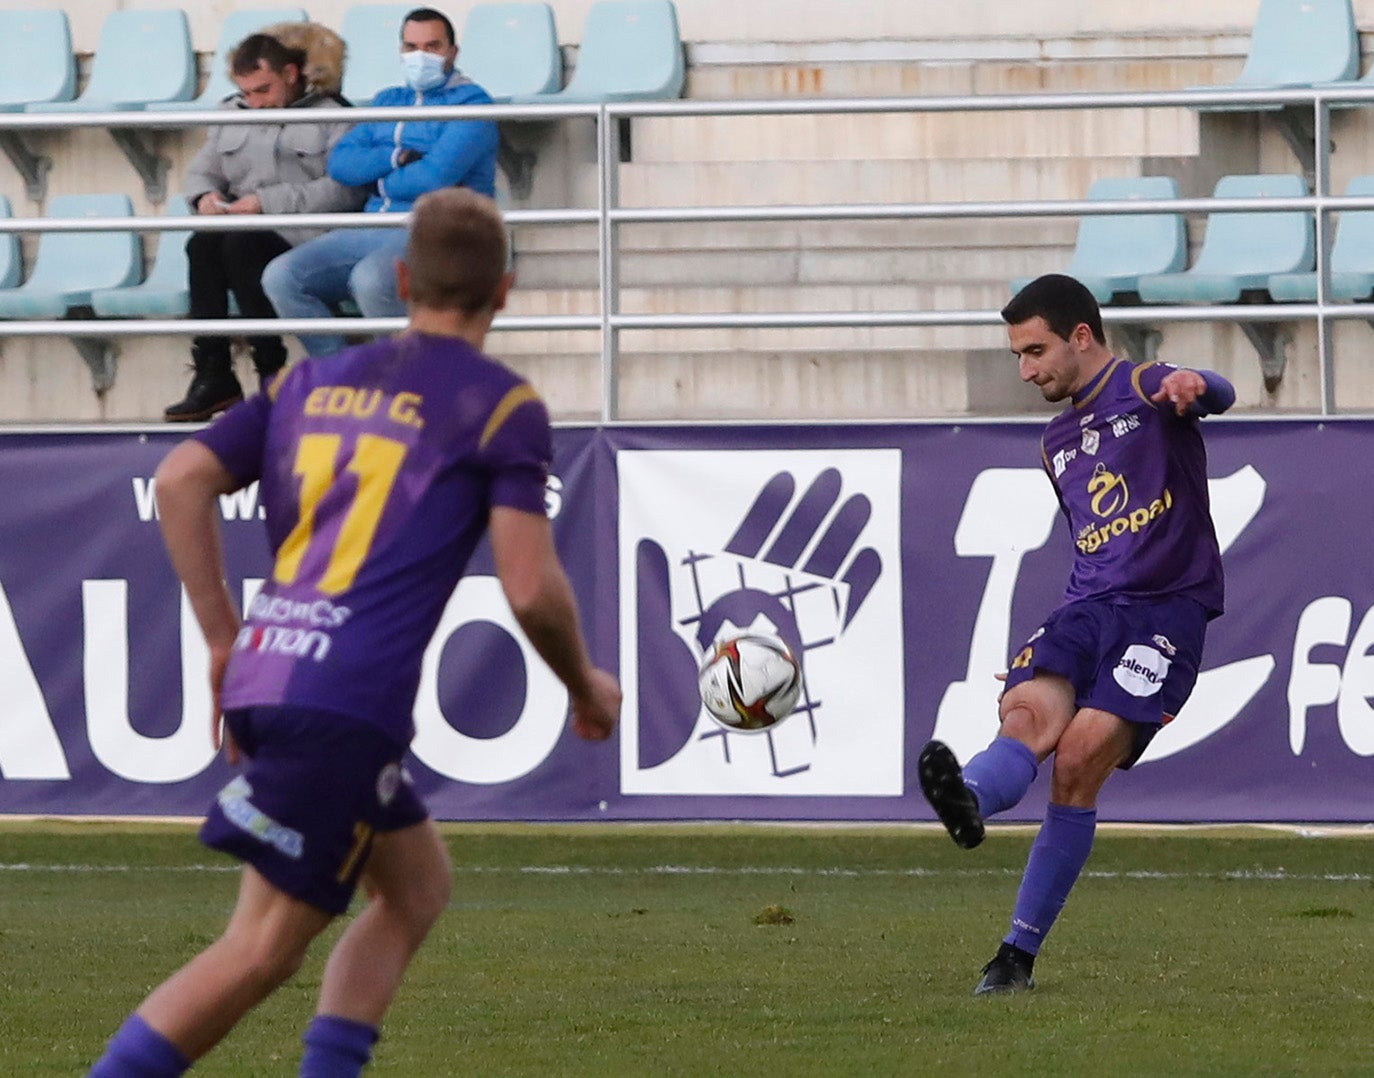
1141	670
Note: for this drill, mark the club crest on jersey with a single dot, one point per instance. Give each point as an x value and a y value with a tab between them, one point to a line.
1091	440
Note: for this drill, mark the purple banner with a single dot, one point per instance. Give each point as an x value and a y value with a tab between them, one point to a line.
908	561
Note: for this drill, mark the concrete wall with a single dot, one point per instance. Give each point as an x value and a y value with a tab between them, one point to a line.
811	48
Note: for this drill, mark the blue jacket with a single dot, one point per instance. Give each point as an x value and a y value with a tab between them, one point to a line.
457	153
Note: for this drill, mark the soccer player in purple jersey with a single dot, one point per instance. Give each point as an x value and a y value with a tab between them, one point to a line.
380	469
1118	658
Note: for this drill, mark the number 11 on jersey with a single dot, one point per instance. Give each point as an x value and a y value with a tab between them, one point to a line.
376	461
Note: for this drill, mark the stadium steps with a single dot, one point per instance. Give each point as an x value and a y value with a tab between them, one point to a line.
949	137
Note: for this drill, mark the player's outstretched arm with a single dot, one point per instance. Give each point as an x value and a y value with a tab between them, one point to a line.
189	482
1196	392
542	600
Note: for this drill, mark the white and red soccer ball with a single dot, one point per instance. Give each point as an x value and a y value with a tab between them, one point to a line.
750	682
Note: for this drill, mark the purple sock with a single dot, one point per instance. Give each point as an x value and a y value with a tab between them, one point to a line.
1056	858
336	1047
139	1051
1000	775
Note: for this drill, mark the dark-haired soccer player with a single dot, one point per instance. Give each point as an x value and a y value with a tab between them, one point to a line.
1120	655
380	469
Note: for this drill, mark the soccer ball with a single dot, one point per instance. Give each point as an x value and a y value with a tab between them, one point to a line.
750	683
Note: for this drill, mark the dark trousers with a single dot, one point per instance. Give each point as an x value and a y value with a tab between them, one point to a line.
225	263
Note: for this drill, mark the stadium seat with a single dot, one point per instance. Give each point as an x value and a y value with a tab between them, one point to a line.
1296	43
631	51
36	59
510	49
142	57
1241	251
1352	258
72	265
372	37
166	293
237	25
1113	252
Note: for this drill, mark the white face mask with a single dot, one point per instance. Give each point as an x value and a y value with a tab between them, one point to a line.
423	70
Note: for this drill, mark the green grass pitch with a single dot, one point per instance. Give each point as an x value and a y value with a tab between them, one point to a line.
623	950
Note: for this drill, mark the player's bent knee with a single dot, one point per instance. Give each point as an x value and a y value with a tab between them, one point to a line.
412	880
1083	762
433	903
266	959
417	910
1036	712
429	895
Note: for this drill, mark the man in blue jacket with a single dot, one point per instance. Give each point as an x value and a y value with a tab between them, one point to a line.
401	161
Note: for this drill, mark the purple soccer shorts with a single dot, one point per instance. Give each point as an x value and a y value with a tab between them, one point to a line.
1137	660
315	789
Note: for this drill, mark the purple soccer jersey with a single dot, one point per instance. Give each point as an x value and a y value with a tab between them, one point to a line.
378	468
1131	477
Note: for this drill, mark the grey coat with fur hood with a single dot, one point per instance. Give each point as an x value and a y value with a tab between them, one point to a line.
283	164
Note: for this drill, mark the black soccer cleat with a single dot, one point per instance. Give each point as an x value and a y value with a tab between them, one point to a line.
1008	972
942	781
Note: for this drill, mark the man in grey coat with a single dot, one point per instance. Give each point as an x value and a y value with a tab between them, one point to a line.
259	168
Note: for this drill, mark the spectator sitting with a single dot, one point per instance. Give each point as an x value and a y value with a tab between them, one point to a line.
404	160
259	168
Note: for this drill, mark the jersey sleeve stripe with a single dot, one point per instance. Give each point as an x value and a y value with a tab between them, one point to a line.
515	396
1135	381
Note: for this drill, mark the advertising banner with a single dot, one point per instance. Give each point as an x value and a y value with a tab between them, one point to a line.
906	562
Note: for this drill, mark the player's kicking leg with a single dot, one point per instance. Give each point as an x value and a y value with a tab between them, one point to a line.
1035	710
408	881
942	782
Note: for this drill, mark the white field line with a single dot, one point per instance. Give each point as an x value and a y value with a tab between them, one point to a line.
1276	875
707	827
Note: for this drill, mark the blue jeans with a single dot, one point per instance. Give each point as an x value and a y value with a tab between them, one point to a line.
310	280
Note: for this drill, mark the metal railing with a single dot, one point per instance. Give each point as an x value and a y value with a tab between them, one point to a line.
609	216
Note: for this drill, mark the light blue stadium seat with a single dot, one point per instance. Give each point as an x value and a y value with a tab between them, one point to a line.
1352	257
237	25
1112	253
142	57
631	51
1241	251
1296	43
71	265
511	49
36	59
166	292
372	37
11	261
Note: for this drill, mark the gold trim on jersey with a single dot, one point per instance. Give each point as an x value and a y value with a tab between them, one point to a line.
1102	380
515	396
1135	380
